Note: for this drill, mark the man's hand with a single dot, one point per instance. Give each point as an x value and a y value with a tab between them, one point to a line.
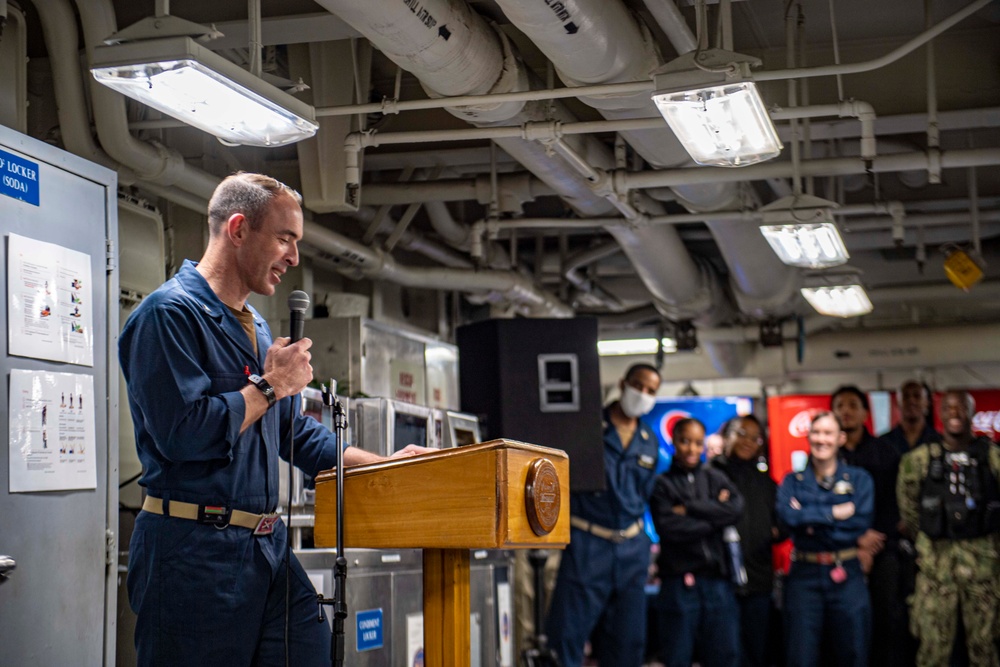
843	511
680	510
287	367
872	541
723	495
412	450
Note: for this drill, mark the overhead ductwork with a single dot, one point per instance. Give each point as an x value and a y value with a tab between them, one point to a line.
377	264
449	66
609	45
170	176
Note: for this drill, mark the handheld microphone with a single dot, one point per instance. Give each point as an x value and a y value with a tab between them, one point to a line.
298	303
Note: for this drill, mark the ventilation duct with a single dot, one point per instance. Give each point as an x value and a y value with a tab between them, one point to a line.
476	59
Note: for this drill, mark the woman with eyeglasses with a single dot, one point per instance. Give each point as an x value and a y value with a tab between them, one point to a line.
827	506
692	505
744	463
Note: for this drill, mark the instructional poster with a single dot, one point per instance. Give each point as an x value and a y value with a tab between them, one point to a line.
50	305
52	438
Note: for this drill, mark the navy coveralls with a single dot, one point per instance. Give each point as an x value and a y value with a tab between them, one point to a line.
601	583
208	596
813	600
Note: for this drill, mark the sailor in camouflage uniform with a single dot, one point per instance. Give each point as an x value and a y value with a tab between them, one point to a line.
948	497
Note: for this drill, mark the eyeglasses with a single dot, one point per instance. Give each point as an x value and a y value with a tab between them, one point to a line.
744	434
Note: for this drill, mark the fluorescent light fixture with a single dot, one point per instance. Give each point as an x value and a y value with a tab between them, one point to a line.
632	346
711	103
801	231
184	80
848	300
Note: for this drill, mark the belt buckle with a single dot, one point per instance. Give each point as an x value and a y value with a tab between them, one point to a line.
266	524
824	558
618	536
214	515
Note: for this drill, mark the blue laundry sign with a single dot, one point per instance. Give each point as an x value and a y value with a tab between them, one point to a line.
18	178
369	629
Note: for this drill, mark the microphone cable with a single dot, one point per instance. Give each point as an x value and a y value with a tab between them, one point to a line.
298	303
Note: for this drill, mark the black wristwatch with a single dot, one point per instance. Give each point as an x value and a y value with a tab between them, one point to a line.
265	388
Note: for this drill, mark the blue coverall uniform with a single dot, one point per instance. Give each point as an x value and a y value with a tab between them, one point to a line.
814	600
208	596
601	582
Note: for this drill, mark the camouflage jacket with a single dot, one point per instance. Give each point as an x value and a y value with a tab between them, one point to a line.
971	559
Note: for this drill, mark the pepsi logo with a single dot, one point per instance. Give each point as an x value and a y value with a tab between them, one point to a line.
667	423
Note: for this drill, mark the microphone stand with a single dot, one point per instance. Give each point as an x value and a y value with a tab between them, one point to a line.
339	602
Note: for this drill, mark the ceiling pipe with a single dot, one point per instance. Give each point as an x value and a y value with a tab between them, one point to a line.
376	264
459	235
591	292
475	58
414	242
632	87
956	159
397	32
99	20
671	21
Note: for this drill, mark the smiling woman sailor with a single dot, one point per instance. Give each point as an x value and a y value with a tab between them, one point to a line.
827	506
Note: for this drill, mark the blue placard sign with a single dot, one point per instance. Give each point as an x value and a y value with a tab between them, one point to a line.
369	629
18	178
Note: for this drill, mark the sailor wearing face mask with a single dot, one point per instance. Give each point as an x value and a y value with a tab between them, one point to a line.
603	571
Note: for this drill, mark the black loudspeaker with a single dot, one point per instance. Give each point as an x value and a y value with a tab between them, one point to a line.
537	381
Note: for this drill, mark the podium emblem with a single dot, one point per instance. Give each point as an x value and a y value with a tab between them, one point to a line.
542	496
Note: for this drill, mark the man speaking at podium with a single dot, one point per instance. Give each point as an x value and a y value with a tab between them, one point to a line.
211	396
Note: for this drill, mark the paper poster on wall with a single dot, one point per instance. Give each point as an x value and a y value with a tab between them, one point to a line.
505	628
414	640
50	304
51	438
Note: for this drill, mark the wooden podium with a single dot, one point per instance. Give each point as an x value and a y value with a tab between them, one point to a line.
500	494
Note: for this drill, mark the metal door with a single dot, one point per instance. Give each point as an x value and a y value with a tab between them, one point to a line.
58	607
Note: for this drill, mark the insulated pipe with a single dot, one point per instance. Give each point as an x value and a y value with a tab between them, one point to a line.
392	106
412	241
374	263
671	21
611	46
891	57
576	262
880	237
975	157
388	26
459	235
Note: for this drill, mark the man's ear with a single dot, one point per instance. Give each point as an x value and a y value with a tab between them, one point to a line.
237	228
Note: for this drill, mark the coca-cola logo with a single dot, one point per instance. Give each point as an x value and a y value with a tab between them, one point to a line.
799	425
987	422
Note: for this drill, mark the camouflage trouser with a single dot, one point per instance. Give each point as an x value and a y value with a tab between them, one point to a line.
934	618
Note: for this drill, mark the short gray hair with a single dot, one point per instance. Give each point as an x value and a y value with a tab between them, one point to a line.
246	193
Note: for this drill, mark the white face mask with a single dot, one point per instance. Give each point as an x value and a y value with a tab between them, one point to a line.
636	403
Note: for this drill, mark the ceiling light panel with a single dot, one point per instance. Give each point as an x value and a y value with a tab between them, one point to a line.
197	86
